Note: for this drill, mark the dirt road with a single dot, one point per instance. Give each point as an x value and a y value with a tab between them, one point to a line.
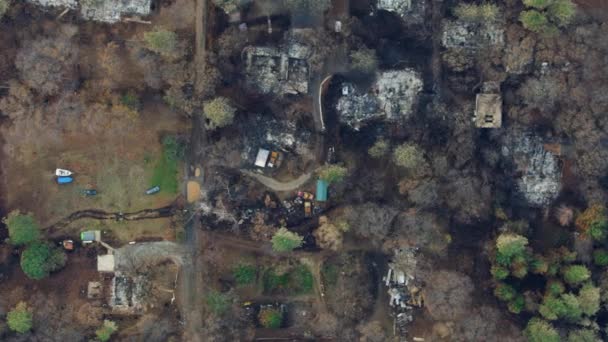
279	186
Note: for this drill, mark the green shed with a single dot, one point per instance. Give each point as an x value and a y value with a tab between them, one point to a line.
322	190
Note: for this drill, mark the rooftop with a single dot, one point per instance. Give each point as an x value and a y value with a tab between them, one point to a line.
105	263
488	111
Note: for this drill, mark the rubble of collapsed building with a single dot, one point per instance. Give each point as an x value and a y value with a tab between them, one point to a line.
105	11
410	11
403	289
458	34
392	96
279	70
537	168
269	141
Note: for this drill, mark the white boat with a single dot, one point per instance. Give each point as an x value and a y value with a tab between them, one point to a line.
63	173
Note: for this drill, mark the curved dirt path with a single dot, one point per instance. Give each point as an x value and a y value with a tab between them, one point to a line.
279	186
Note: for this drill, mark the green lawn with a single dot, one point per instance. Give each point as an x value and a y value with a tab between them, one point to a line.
298	280
166	168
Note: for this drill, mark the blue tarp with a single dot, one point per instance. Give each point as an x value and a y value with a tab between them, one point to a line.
64	180
322	190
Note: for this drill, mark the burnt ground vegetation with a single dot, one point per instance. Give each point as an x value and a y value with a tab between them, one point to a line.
509	224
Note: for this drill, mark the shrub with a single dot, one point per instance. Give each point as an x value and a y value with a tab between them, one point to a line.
534	21
161	41
594	213
539	265
219	112
409	156
505	292
106	330
130	100
22	228
589	299
333	173
600	257
244	274
364	60
40	259
379	149
270	318
499	272
218	302
286	241
19	319
539	330
576	274
562	12
302	279
583	335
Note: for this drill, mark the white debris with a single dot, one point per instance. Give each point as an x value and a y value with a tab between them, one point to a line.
412	12
109	11
461	34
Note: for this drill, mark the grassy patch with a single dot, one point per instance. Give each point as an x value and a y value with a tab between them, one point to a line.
298	280
244	274
329	274
218	302
165	169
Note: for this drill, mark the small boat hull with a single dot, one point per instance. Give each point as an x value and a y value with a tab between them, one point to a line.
63	173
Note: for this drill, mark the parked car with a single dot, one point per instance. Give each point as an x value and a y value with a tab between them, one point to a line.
89	192
153	190
307	196
64	180
68	245
63	172
275	159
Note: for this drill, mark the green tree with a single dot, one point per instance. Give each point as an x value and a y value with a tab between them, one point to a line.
583	335
476	13
409	156
4	5
538	4
219	112
379	149
600	257
364	60
554	288
539	330
218	302
589	299
576	274
270	317
106	330
562	12
162	41
534	21
598	230
244	274
499	272
286	241
505	292
509	246
19	319
40	259
22	228
333	173
517	304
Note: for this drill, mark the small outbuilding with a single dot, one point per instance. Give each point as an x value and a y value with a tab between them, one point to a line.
488	111
90	236
322	186
262	157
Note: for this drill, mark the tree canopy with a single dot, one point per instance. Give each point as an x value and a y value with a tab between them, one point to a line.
333	173
219	112
22	228
162	41
40	259
19	319
286	241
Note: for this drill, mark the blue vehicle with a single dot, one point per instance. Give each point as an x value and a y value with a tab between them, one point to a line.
89	192
153	190
64	180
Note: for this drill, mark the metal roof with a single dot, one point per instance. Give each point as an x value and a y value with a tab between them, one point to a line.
322	190
262	157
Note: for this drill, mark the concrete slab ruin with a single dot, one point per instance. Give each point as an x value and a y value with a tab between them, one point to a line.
105	263
467	35
537	169
411	11
279	71
109	11
128	293
392	96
